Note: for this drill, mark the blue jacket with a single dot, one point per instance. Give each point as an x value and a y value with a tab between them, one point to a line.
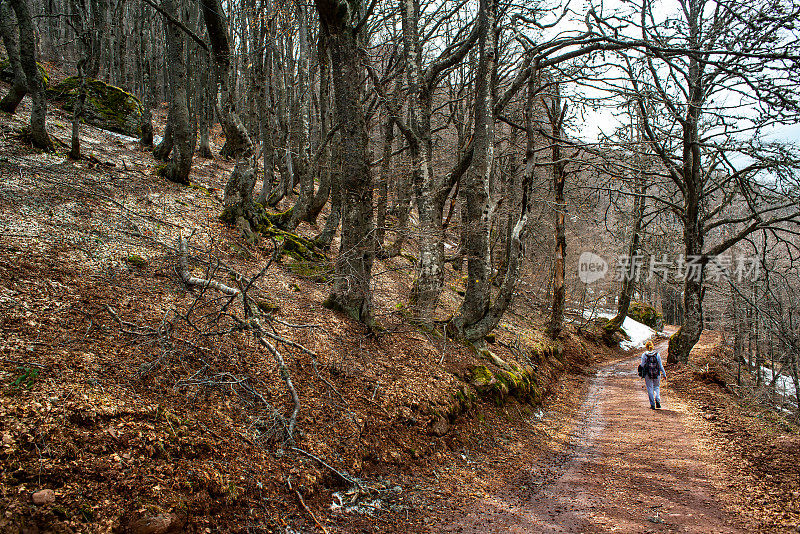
658	357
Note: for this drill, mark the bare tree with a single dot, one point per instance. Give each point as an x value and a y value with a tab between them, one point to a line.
693	64
19	85
35	82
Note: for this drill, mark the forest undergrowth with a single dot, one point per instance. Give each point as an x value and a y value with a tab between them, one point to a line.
131	401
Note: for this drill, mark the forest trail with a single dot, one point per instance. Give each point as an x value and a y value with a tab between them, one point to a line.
630	469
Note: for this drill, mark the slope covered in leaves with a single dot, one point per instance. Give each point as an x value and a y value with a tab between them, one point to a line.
142	404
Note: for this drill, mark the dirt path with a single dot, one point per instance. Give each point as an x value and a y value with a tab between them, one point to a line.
630	470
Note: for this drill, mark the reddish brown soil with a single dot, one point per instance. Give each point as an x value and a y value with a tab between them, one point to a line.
630	469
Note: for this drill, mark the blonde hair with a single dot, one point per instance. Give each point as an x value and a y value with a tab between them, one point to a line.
649	345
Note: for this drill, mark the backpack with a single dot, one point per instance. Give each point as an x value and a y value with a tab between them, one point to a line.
652	369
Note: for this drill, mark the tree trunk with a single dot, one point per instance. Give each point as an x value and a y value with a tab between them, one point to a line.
19	85
681	343
352	292
27	55
325	238
306	177
286	167
629	278
478	330
143	66
83	49
77	113
556	115
383	185
475	189
164	148
95	29
267	127
238	199
178	169
323	164
402	212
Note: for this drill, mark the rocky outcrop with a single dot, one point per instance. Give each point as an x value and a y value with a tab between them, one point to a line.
107	107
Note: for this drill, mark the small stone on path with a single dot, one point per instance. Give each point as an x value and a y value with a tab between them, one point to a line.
45	496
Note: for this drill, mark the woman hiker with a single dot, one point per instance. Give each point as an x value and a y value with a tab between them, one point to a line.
652	369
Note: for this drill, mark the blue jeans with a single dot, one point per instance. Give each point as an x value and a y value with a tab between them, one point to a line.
653	389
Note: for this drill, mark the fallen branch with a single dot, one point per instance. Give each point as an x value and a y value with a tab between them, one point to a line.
143	330
258	332
190	280
251	323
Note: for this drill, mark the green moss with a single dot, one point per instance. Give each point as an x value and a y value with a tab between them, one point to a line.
293	245
199	187
136	261
645	314
409	257
313	270
280	218
107	106
481	376
7	74
334	305
267	306
514	381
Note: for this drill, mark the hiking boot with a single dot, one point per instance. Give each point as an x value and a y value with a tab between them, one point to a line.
652	407
658	404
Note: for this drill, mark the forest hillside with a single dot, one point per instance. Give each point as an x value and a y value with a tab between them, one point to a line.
399	266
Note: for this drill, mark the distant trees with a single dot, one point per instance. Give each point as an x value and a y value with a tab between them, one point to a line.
445	104
719	75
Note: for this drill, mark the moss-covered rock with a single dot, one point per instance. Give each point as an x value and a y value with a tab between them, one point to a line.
316	271
646	314
107	107
295	246
7	73
310	260
267	306
515	381
480	377
137	261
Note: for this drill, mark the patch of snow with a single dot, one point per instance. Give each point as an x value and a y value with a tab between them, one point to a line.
637	332
121	136
157	140
783	384
598	312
